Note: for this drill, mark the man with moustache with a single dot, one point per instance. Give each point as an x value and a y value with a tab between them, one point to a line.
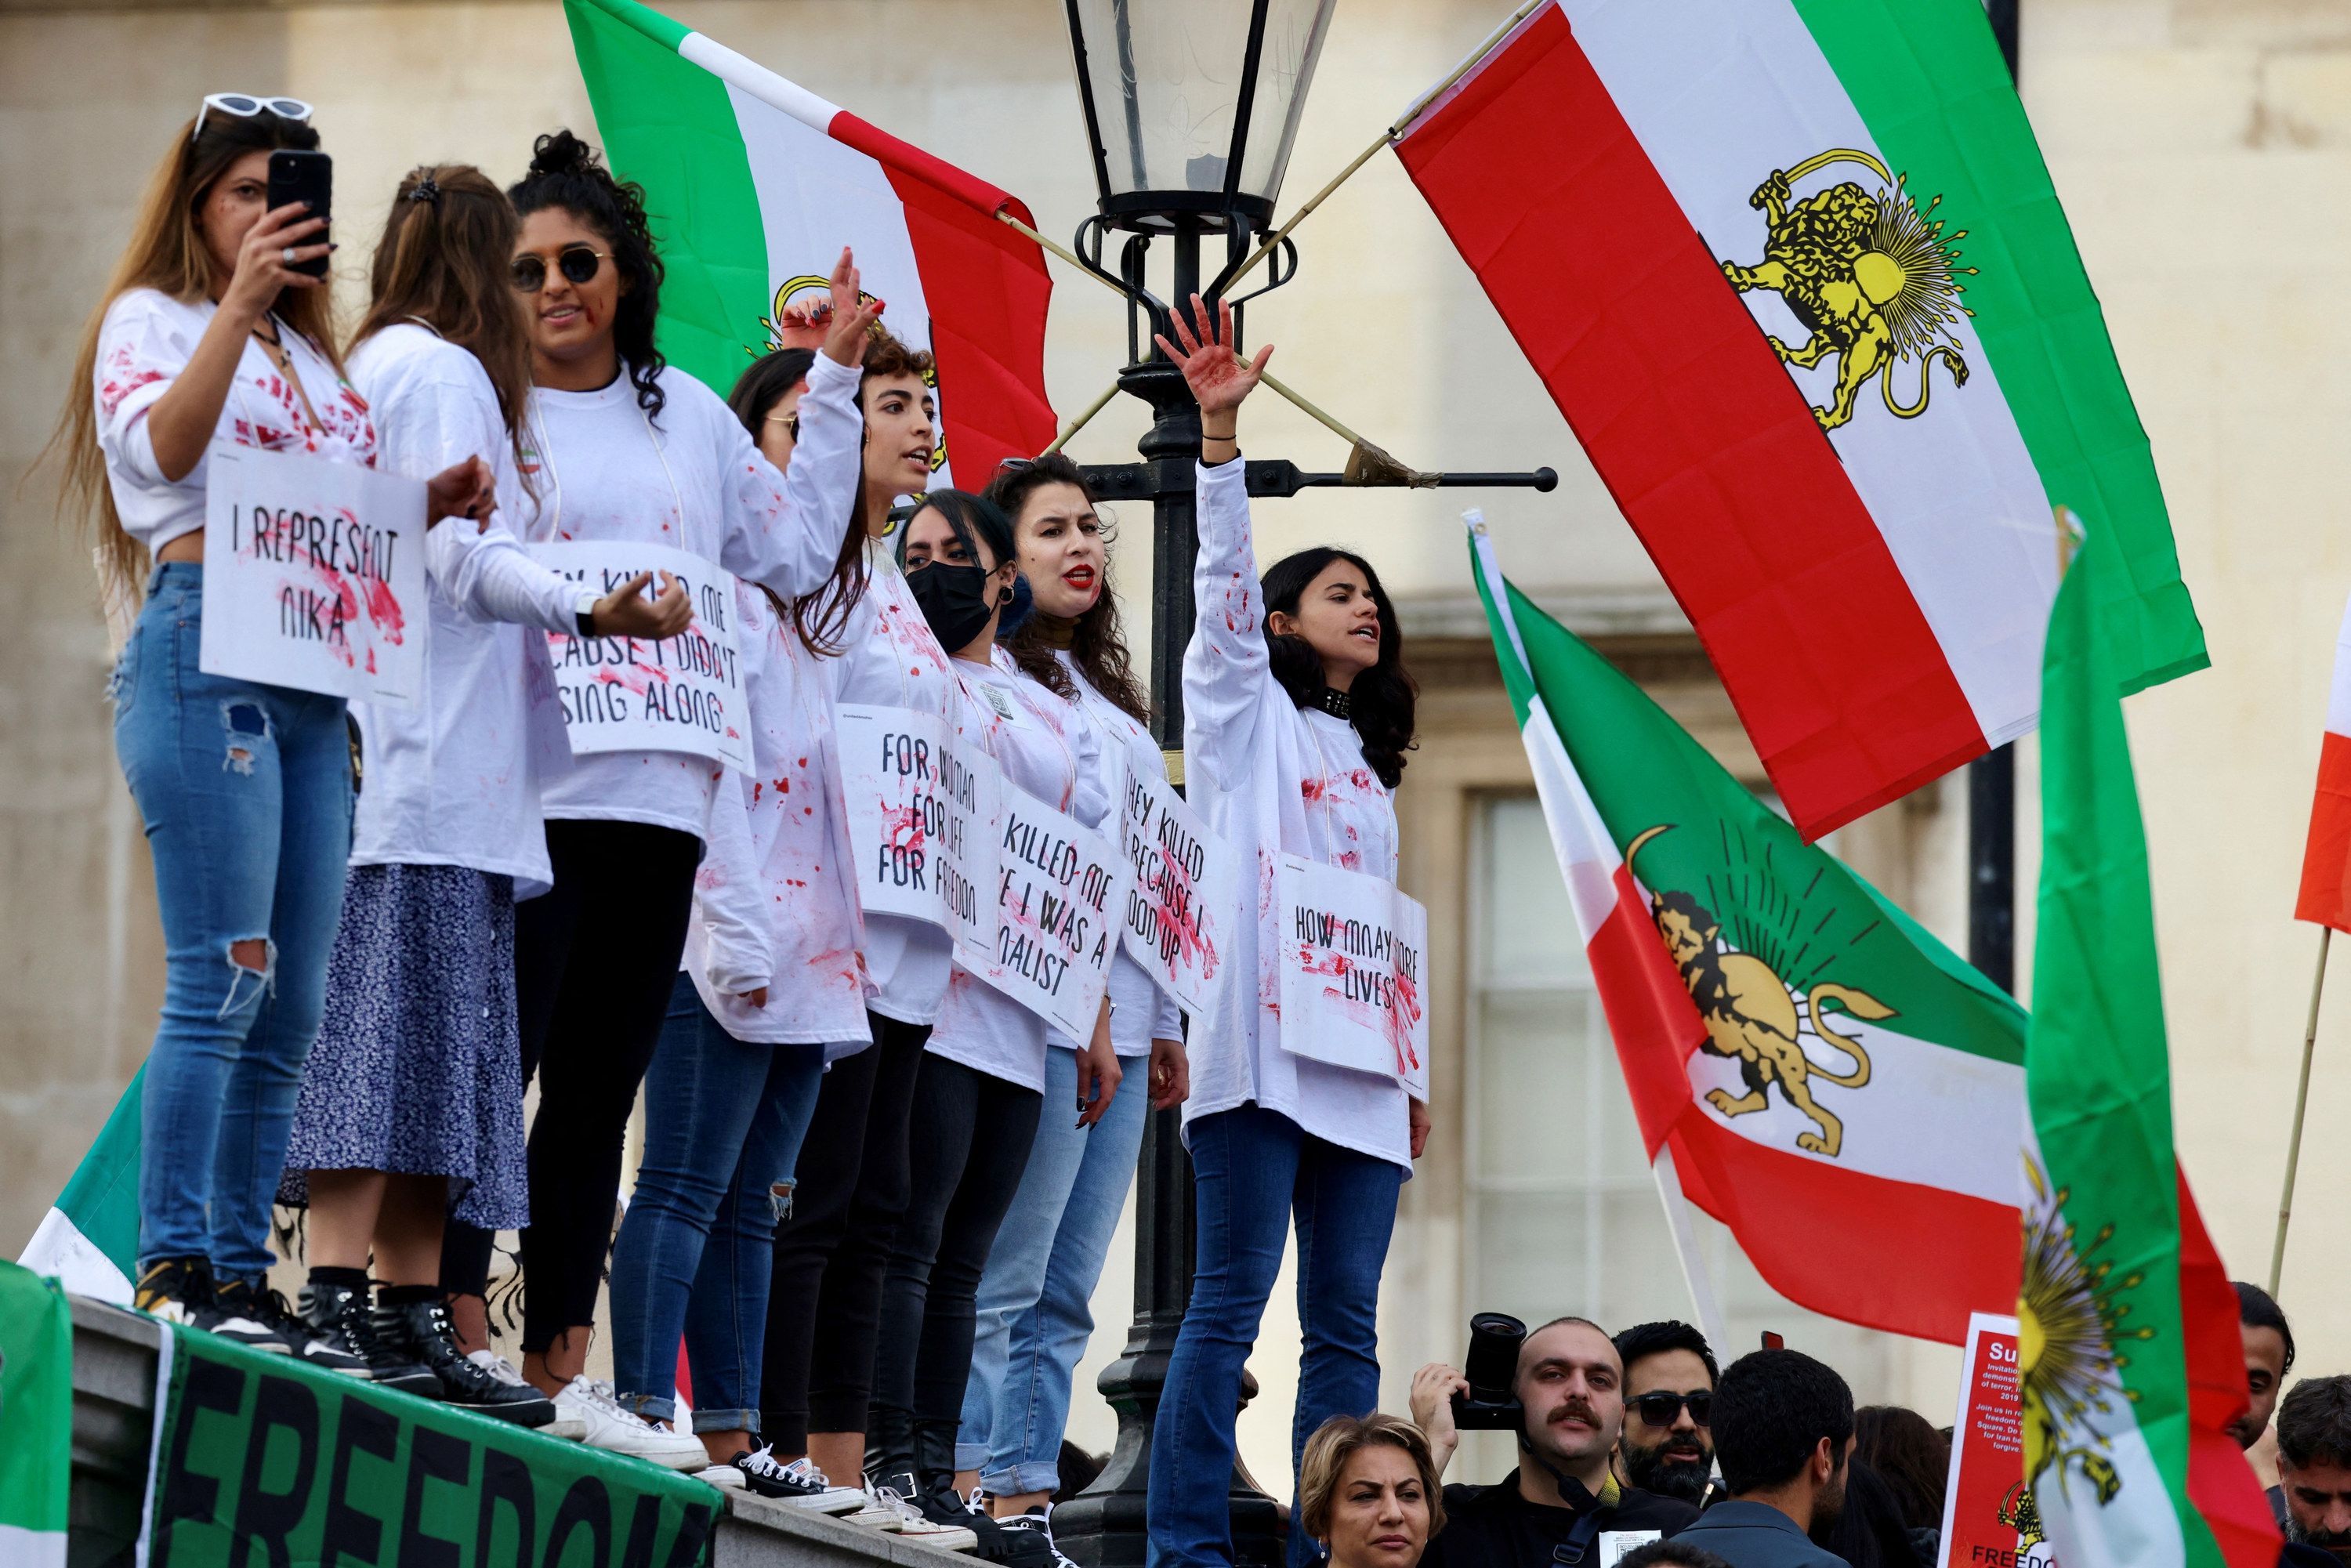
1563	1501
1669	1375
1782	1431
2313	1437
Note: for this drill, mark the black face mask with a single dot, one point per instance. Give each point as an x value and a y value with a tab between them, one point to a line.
954	601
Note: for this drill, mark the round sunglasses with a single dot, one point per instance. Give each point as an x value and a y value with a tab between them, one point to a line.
245	105
1661	1408
578	264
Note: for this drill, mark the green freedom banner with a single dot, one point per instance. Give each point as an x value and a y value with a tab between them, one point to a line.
261	1461
35	1419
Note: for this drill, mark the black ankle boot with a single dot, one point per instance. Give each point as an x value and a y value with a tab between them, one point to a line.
342	1313
934	1468
890	1449
419	1329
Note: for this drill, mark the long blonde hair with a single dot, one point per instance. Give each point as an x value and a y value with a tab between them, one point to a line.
167	253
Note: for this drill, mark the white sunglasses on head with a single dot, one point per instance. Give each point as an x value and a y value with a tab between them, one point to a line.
245	105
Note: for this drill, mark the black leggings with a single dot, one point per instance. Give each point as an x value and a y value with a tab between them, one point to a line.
824	1297
595	960
969	1137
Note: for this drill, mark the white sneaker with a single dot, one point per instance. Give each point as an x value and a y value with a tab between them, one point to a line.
505	1371
915	1525
875	1514
619	1431
725	1475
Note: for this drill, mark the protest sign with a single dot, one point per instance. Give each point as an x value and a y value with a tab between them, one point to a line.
631	694
1352	972
314	576
921	818
259	1457
1063	888
1989	1519
1185	896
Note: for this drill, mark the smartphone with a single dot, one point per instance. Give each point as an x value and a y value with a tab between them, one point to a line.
1774	1342
308	178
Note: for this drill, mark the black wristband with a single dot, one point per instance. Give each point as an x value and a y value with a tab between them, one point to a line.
587	618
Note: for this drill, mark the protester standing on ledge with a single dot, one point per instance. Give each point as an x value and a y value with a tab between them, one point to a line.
1297	713
1782	1431
1562	1498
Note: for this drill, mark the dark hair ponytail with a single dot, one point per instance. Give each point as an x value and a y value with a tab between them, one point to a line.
1381	699
565	172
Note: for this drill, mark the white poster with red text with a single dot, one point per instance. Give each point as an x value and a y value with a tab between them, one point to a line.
1353	958
1989	1517
1063	888
922	822
1184	897
632	693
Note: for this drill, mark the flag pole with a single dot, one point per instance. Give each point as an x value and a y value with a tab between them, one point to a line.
1693	1274
2301	1102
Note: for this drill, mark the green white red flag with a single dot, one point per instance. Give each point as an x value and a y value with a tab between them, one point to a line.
2325	895
89	1239
1812	1067
2132	1364
754	184
1795	273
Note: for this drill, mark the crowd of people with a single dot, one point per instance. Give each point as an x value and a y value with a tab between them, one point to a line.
876	1191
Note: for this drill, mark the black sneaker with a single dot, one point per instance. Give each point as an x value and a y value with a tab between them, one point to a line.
1013	1548
420	1332
258	1318
176	1290
1037	1522
799	1482
339	1315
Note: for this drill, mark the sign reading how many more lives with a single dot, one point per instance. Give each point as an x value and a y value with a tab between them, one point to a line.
1353	972
1185	896
1064	890
314	576
922	820
632	693
1989	1517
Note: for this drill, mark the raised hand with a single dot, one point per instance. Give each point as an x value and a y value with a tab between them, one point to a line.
627	612
845	344
1218	378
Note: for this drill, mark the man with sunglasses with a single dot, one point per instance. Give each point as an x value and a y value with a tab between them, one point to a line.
1668	1445
1563	1504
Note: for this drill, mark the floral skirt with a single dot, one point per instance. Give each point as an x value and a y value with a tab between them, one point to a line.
418	1066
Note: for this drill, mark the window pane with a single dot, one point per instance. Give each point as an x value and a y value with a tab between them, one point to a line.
1529	931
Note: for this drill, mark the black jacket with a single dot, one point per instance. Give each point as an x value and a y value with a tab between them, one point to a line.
1495	1527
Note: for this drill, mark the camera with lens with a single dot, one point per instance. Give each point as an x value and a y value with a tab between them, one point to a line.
1492	1370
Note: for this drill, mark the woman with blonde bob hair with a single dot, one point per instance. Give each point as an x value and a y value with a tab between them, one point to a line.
209	335
1367	1492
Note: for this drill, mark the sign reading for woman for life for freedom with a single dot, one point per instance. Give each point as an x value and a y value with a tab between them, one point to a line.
1355	955
314	576
631	694
1186	894
1064	890
922	822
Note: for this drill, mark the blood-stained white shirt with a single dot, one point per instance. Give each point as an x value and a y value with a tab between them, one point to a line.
689	478
889	658
143	344
1269	779
776	896
1046	748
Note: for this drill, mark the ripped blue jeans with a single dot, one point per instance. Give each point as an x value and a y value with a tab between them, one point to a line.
245	792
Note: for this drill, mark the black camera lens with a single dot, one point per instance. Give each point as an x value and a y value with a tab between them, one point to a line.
1492	1364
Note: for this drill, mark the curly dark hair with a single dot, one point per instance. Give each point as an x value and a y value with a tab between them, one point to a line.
1381	696
566	173
1097	643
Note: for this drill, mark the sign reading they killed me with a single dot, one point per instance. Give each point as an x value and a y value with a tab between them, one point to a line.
1185	896
1064	890
1353	972
631	694
921	820
314	576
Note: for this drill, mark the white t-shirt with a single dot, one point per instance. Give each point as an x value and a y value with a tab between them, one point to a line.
455	780
1140	1011
1045	749
693	480
1270	778
776	898
144	342
890	659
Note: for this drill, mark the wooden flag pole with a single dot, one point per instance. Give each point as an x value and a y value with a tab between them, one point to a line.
2301	1102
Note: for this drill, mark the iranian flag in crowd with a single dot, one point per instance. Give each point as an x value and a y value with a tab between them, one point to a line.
1794	271
2325	896
2133	1367
36	1419
89	1241
1816	1071
755	184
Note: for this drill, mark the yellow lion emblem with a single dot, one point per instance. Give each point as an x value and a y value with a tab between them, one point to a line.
809	283
1870	276
1751	1016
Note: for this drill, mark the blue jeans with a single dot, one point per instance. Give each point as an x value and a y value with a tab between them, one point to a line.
246	793
724	1121
1253	1170
1033	1317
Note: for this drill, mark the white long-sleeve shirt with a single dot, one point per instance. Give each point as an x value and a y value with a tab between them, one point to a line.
776	896
890	659
1269	779
1140	1011
1046	748
692	480
456	779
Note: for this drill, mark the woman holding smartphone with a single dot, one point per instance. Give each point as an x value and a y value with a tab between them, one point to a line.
411	1101
1297	713
210	334
621	448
